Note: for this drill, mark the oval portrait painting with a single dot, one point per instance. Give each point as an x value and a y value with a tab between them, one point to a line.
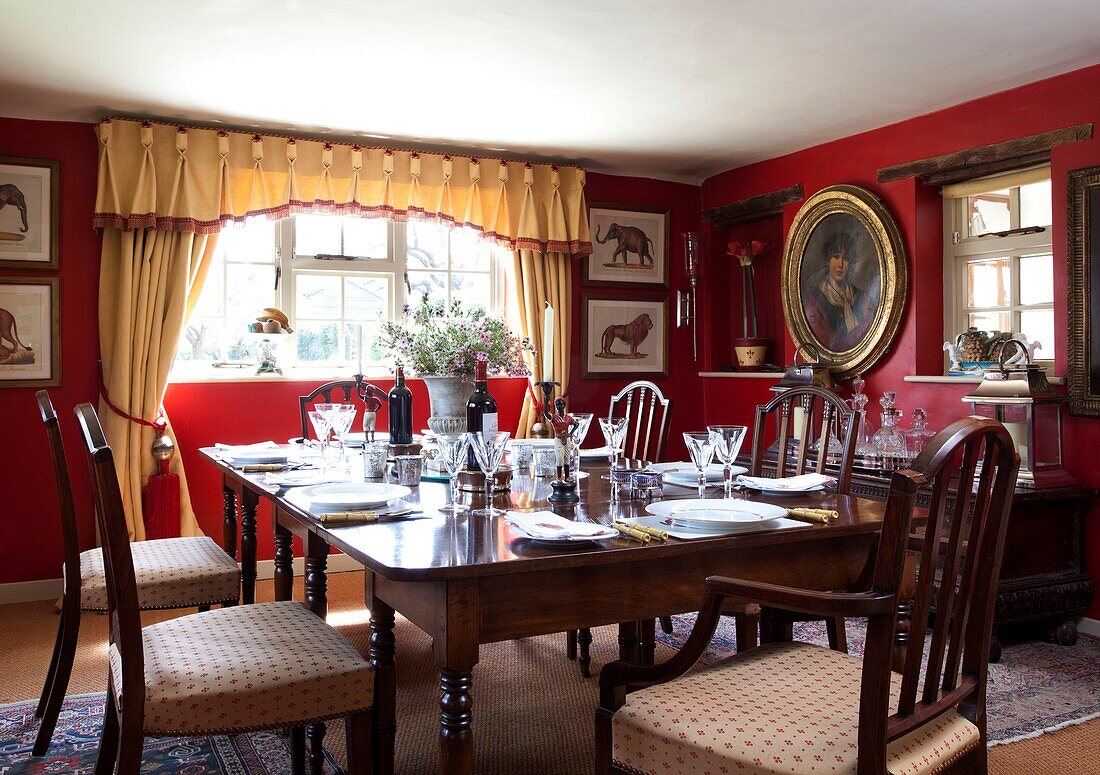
844	279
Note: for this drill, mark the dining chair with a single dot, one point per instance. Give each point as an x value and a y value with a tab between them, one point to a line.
648	414
788	435
222	672
343	389
790	707
171	573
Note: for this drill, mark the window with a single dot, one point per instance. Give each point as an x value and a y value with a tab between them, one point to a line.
337	278
999	267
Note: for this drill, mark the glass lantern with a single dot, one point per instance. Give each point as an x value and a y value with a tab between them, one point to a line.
1031	412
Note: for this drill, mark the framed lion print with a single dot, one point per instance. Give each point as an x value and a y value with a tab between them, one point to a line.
30	332
623	335
629	246
29	223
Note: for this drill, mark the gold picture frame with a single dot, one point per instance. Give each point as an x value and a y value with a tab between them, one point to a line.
1083	374
30	332
29	213
844	279
623	336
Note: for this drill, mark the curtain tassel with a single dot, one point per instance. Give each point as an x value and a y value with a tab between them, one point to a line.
161	499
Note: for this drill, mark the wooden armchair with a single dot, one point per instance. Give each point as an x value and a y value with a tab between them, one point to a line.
232	670
170	573
344	390
800	707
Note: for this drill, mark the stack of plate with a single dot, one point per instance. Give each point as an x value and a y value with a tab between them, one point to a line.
687	475
715	516
346	496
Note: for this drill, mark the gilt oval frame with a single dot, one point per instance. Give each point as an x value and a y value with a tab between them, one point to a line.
873	216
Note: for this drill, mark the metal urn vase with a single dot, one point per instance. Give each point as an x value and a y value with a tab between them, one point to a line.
448	397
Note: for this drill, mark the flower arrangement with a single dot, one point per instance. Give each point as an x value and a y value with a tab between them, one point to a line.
746	250
438	341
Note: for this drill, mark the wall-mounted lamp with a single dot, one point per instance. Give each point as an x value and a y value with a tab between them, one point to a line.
686	307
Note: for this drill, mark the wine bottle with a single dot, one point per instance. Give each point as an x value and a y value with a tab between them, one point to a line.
401	411
481	410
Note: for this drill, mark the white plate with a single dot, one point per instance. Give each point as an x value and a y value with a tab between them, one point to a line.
686	473
715	513
596	452
352	495
785	493
256	457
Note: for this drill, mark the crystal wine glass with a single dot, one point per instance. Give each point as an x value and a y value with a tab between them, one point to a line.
488	451
701	449
727	440
341	419
453	451
321	427
580	430
614	430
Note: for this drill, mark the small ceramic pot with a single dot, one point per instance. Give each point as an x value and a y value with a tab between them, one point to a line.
750	353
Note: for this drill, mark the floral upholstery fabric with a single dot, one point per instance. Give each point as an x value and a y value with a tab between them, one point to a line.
247	667
779	708
171	573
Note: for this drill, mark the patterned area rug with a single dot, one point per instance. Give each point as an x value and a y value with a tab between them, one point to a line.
76	742
1035	688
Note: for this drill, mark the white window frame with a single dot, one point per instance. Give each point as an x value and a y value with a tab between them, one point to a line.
289	267
960	248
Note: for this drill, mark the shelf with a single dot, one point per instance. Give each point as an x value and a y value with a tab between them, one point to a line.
743	374
962	380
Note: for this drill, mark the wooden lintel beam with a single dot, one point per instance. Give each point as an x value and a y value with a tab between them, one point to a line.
986	159
754	208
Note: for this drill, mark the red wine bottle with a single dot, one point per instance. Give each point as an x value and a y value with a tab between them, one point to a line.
401	411
481	410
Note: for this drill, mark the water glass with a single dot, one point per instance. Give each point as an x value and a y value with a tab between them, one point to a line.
614	431
453	451
521	455
545	461
375	455
409	469
727	441
701	449
488	451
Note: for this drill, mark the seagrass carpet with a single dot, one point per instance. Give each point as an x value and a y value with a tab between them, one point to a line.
533	712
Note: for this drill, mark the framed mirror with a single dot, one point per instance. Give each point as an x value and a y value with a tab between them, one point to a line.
1083	190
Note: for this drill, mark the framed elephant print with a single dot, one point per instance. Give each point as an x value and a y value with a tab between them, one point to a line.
629	246
29	213
623	336
30	332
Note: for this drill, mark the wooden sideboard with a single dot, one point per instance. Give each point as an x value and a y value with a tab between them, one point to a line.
1044	583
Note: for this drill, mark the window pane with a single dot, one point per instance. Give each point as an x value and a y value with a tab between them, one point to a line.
317	341
238	345
372	353
254	242
250	288
988	212
200	340
212	296
990	321
988	282
430	283
473	289
316	296
365	237
1038	326
315	234
1037	279
469	251
427	245
1036	204
366	298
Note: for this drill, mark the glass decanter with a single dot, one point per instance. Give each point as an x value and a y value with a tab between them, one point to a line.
917	437
859	399
889	441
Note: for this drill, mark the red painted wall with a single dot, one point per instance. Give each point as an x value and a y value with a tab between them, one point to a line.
30	524
1051	104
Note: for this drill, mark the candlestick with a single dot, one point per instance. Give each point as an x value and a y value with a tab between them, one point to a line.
547	342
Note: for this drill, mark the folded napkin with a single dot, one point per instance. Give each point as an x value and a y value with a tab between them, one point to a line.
547	524
792	483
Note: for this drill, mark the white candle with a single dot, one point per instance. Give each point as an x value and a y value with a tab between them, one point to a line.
548	342
799	422
359	346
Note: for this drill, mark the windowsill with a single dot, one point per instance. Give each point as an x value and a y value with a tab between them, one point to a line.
743	374
248	374
941	380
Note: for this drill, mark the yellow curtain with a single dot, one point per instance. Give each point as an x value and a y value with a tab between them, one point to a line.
177	178
148	283
541	278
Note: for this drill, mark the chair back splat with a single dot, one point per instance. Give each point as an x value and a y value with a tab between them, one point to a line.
648	413
345	392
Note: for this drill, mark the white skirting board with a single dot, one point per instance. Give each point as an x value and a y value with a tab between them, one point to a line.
50	589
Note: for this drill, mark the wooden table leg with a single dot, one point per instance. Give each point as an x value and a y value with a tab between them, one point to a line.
382	652
456	652
249	502
284	563
628	641
229	521
647	640
316	735
584	644
316	580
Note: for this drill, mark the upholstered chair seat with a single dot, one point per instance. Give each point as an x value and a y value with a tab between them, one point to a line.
174	573
780	708
246	668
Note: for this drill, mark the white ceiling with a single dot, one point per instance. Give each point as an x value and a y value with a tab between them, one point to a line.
672	90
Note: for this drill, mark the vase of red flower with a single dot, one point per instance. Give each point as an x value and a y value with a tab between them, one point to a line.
750	349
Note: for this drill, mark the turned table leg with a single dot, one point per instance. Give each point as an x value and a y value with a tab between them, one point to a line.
382	652
316	580
249	502
284	563
229	521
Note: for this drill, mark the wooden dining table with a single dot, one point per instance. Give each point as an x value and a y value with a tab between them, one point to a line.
471	580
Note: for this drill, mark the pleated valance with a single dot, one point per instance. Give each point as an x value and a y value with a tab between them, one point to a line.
179	178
